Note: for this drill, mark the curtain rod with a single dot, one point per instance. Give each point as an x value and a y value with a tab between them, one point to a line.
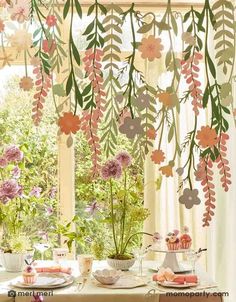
161	4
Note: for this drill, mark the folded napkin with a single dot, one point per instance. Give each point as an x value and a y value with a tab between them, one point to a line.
166	274
54	269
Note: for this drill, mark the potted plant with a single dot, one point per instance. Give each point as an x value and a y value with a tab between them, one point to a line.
16	209
125	214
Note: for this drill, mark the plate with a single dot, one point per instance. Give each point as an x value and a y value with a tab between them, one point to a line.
176	285
47	280
125	282
184	268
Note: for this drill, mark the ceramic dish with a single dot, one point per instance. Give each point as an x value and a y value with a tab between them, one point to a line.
106	276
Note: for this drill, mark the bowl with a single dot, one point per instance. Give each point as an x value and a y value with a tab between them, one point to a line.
106	276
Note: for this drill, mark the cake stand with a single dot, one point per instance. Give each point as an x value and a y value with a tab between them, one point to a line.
171	260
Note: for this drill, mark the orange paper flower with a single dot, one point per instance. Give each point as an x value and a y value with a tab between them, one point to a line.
26	83
69	123
166	170
207	137
166	99
151	48
151	133
158	156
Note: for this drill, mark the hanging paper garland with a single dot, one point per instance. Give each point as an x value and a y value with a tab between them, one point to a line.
106	97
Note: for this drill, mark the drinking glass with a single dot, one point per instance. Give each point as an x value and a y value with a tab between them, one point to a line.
42	247
85	265
139	254
192	257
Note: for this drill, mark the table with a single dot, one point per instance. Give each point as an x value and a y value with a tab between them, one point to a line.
93	293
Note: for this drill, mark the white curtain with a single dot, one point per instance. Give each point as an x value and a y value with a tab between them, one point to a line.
167	214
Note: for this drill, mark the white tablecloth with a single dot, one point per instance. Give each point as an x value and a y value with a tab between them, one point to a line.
93	293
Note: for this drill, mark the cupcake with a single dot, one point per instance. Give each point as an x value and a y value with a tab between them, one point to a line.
29	274
185	239
172	241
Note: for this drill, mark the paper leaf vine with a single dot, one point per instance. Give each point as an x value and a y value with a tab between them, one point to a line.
94	94
42	84
113	29
204	174
225	33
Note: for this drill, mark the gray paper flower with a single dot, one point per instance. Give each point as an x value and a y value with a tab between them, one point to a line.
143	101
131	127
189	198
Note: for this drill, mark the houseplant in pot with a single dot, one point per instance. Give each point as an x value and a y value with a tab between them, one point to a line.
124	214
17	209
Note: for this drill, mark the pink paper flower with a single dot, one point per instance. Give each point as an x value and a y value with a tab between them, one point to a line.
9	189
124	159
51	20
20	11
13	154
111	169
3	162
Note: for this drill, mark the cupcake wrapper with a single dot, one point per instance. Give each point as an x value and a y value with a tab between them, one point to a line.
29	279
186	245
173	246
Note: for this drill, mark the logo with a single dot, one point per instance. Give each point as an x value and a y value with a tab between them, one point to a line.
11	293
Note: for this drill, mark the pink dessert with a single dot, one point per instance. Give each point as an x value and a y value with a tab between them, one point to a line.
185	239
172	240
29	274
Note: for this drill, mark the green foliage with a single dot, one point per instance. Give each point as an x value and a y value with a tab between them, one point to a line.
39	167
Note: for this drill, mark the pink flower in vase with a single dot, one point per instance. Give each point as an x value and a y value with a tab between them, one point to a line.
9	189
16	172
52	193
92	208
156	237
13	154
36	192
111	169
124	159
3	162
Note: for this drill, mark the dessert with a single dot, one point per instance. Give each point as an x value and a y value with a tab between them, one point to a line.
185	239
172	240
29	273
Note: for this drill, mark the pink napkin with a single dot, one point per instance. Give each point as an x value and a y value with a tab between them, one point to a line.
166	274
54	269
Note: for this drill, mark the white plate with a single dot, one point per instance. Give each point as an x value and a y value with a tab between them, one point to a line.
125	282
176	285
47	280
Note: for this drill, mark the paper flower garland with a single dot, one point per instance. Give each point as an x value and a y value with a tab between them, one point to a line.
108	95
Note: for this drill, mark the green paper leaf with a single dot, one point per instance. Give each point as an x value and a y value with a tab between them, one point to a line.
162	25
171	133
91	9
69	84
66	9
89	29
145	28
78	8
75	53
58	90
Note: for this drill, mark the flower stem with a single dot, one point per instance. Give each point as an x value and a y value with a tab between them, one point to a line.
127	242
112	217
